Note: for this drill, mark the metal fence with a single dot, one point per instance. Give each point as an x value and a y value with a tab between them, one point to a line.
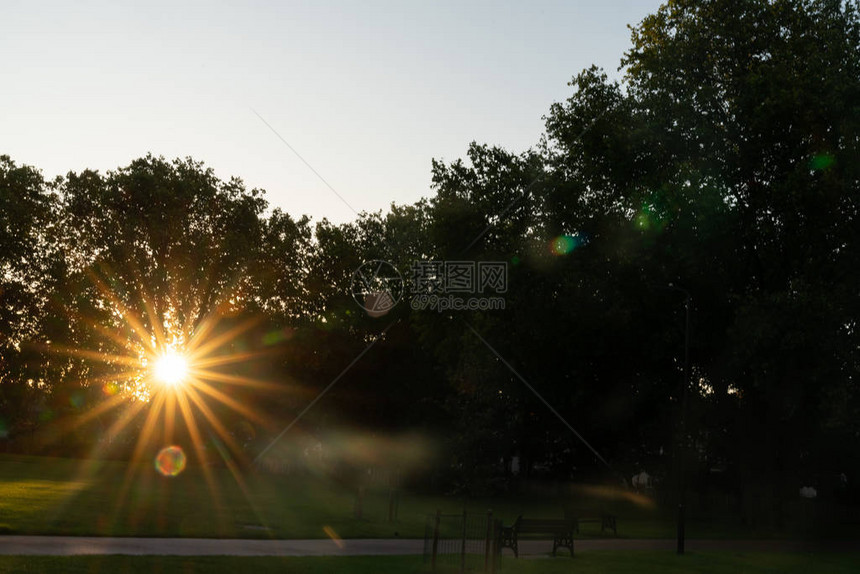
460	542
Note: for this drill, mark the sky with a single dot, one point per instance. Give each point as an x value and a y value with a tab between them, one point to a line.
366	93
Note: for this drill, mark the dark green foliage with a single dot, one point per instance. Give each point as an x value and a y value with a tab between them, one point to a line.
726	163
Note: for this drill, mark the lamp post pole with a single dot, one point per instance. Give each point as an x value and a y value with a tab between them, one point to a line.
682	442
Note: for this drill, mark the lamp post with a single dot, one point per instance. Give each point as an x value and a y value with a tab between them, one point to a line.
685	390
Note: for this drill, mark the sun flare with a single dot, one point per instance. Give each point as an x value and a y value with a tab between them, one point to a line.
171	368
169	381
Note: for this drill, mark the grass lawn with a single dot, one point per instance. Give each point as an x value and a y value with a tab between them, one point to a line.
633	562
42	495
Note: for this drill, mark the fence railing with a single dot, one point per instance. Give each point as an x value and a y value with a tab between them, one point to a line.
461	542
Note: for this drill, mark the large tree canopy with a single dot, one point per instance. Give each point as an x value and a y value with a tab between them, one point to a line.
723	164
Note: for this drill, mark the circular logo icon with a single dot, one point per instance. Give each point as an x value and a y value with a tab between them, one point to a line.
377	286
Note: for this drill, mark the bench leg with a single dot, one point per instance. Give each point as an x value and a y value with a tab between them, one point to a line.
563	541
608	523
508	539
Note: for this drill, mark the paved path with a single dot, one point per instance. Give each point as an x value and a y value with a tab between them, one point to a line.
71	545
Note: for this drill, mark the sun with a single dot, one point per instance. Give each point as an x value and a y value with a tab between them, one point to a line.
171	368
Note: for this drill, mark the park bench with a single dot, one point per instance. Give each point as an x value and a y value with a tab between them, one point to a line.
606	521
561	530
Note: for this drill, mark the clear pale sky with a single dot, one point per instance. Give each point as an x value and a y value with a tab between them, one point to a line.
367	92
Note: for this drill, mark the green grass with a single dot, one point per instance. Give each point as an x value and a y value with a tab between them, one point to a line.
43	495
629	562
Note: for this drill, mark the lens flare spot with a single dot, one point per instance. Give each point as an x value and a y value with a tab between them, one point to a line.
46	415
379	303
650	218
275	337
564	244
170	461
821	162
329	531
110	389
77	400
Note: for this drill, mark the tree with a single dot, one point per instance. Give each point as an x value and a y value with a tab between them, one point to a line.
760	100
724	164
153	255
27	265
